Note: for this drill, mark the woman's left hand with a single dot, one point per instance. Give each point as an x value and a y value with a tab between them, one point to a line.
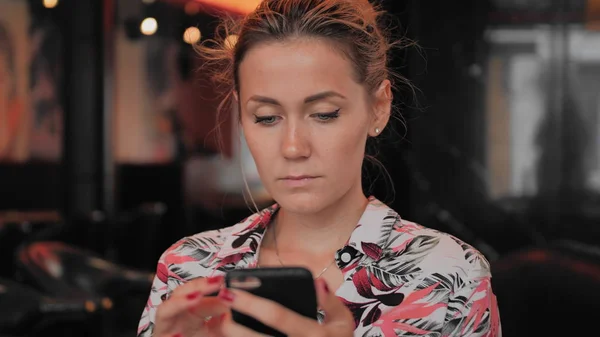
338	319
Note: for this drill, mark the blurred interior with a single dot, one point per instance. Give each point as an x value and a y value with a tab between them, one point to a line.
109	152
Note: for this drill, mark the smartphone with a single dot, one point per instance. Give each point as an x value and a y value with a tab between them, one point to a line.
292	287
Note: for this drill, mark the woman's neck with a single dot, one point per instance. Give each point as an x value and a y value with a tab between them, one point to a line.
320	232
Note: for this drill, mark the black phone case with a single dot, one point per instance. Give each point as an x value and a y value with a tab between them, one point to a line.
292	287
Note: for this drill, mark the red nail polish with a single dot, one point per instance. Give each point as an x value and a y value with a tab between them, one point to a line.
193	296
215	279
226	295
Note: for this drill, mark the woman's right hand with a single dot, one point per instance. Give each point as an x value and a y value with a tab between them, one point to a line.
189	312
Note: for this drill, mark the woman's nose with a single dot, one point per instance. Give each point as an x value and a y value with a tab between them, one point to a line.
295	143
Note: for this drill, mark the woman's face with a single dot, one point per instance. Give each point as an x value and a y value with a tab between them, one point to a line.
306	122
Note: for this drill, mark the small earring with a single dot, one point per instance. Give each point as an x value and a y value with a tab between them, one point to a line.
377	130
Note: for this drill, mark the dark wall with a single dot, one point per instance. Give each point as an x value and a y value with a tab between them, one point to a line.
445	151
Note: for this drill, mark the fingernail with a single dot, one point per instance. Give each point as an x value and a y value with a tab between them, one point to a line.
226	295
215	279
193	296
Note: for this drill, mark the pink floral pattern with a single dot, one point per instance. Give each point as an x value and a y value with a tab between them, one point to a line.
401	279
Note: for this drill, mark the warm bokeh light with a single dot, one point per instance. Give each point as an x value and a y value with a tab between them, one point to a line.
192	8
149	26
50	3
240	6
147	2
230	41
192	35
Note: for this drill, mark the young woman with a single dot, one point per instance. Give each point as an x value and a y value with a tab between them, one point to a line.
311	83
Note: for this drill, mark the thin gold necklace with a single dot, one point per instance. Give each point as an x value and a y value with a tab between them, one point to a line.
283	265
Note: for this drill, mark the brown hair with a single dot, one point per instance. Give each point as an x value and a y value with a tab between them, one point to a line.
355	26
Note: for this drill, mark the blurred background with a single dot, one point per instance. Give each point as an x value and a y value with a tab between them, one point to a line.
109	154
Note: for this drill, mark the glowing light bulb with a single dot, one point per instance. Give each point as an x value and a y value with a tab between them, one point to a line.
192	35
149	26
50	3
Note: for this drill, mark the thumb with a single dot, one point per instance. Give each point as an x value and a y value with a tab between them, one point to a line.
335	310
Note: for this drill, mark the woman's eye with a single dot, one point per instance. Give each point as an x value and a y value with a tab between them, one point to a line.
265	120
326	117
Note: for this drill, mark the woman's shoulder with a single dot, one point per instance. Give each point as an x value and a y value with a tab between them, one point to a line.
434	251
205	245
413	246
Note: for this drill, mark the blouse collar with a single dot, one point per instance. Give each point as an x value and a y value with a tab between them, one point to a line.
370	236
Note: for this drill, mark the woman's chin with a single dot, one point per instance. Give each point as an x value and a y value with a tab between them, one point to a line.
301	203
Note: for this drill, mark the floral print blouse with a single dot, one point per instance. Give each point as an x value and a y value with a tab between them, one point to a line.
400	278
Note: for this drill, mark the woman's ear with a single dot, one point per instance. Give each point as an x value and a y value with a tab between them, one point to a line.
383	108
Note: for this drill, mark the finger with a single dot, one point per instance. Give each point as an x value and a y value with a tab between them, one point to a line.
269	312
215	323
201	285
209	307
335	310
189	298
230	328
176	306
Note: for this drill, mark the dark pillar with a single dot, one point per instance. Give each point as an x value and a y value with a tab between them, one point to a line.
88	150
